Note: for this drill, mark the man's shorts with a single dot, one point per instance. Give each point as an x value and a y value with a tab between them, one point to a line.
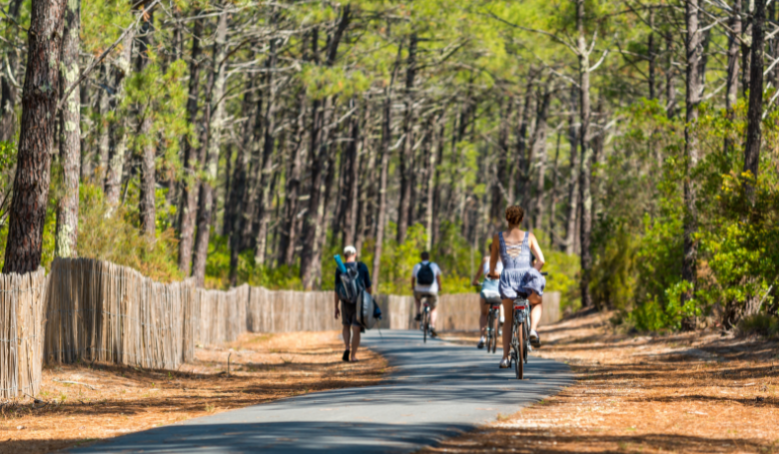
349	314
432	299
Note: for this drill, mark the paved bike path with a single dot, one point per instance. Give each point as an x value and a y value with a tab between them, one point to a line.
437	390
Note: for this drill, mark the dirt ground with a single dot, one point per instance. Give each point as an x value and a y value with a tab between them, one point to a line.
684	393
107	401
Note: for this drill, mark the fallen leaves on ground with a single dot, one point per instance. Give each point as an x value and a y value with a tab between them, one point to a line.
684	393
82	403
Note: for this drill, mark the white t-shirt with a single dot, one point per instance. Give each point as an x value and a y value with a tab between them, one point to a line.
498	267
432	288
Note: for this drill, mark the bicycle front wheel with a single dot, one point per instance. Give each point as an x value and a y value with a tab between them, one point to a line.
490	331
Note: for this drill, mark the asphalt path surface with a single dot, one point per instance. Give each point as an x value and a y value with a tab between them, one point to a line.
436	390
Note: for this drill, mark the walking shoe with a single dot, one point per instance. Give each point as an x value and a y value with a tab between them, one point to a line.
481	343
345	358
500	329
535	339
433	332
504	364
418	318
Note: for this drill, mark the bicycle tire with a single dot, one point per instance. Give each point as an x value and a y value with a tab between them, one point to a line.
425	326
526	348
519	368
490	334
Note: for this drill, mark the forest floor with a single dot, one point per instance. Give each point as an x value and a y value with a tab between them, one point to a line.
108	401
684	393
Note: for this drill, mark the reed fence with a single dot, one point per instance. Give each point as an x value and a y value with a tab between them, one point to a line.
222	314
99	311
288	311
21	339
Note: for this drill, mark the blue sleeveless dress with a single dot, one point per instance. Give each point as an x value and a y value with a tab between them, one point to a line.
513	267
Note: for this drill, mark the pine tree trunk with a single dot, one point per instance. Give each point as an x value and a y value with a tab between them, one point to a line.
539	149
39	100
103	136
731	92
573	178
118	131
290	224
268	147
501	184
755	110
406	165
235	220
522	149
383	168
651	56
66	238
554	239
189	183
215	124
87	138
693	50
670	85
146	202
586	158
352	177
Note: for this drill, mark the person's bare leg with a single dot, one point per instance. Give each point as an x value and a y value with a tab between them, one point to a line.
484	309
417	302
535	316
508	307
355	342
347	336
433	316
535	304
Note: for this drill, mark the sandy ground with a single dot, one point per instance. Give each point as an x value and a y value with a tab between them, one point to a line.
684	393
106	401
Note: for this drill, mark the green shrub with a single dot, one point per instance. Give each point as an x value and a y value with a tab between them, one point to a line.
761	324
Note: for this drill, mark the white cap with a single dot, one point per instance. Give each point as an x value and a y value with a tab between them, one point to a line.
350	250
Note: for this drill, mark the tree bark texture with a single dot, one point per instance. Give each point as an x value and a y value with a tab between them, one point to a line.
693	98
573	179
586	158
755	110
146	202
731	95
383	168
40	95
406	161
118	130
189	184
66	237
215	125
539	150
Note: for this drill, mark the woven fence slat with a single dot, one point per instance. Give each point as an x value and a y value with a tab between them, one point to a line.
99	311
21	333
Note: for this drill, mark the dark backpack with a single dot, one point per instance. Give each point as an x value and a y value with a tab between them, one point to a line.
425	275
349	285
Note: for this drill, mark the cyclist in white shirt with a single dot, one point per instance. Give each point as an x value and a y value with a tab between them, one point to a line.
490	289
426	282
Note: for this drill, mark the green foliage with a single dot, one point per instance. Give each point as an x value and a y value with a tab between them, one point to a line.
108	233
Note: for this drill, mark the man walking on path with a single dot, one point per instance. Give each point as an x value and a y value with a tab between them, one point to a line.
348	310
426	282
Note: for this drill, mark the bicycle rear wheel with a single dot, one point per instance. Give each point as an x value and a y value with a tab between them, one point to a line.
426	326
519	365
490	332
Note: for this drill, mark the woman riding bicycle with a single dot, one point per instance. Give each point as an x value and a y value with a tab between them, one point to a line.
513	247
489	287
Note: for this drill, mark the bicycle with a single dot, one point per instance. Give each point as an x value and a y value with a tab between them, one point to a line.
425	322
493	333
492	298
520	336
